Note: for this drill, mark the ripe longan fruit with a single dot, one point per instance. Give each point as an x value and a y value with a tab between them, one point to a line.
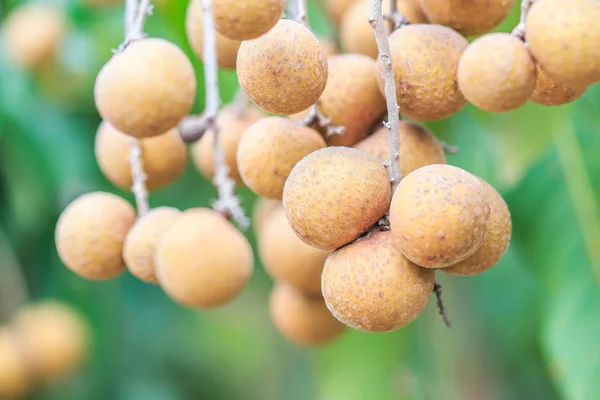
146	89
141	242
329	46
467	17
496	73
262	212
549	92
302	320
202	260
15	379
336	9
335	194
164	157
425	93
285	70
563	37
439	215
268	151
287	258
370	286
90	234
418	146
246	19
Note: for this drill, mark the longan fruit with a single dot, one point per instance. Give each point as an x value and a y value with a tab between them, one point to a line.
563	37
15	379
335	194
370	286
268	151
301	319
164	157
285	70
246	19
287	258
262	212
202	260
329	46
467	17
425	93
418	146
90	234
439	215
496	73
141	242
549	92
336	9
146	89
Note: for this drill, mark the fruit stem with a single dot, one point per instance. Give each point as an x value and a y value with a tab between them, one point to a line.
316	116
301	14
437	289
240	102
519	30
14	291
394	16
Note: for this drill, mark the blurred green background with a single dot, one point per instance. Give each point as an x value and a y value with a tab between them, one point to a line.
527	329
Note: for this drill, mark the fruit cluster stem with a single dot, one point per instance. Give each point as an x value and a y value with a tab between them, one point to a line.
437	290
301	14
519	30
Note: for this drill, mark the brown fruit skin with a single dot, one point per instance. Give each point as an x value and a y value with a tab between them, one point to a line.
90	234
202	260
15	379
287	258
302	320
246	19
418	147
285	70
496	73
563	37
549	92
335	194
263	210
425	93
147	89
164	157
439	215
141	242
268	151
336	9
370	286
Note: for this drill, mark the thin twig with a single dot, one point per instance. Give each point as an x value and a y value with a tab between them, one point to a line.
398	20
437	289
14	292
449	148
519	30
316	116
240	102
301	14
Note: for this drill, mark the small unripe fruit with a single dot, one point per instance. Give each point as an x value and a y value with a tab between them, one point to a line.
15	379
246	19
335	194
285	70
146	89
202	260
268	151
164	157
141	242
336	9
302	320
496	73
439	215
425	93
549	92
90	234
262	212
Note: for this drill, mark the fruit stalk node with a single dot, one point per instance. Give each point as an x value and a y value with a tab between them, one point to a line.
316	116
519	30
437	290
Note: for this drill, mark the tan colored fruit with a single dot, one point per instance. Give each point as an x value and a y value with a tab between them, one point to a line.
418	147
147	89
439	215
496	73
262	212
246	19
563	37
203	261
141	242
467	17
232	124
90	234
287	258
302	320
164	157
425	93
370	286
335	194
549	92
497	238
268	151
329	46
15	379
336	9
285	70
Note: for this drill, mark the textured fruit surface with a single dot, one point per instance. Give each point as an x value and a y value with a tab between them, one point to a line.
336	9
287	258
496	73
550	92
439	215
14	372
418	146
164	157
497	238
285	70
268	151
563	37
468	17
227	49
302	320
203	261
335	194
90	233
141	242
263	210
370	286
246	19
425	61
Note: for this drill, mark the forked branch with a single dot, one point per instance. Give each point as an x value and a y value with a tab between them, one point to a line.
519	30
